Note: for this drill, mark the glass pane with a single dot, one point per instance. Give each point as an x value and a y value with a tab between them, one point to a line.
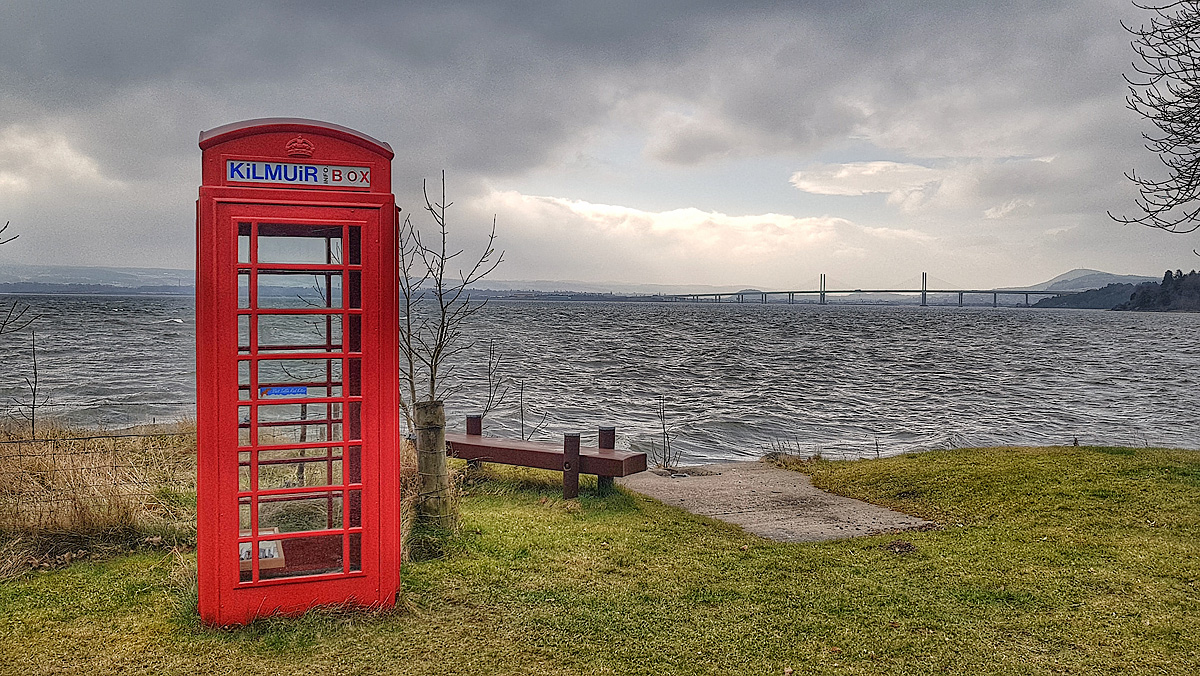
243	290
244	471
244	380
354	464
299	467
355	552
291	423
243	243
243	334
355	333
244	520
243	425
355	509
354	386
355	290
354	250
296	513
294	289
299	243
313	555
278	434
354	420
300	333
297	378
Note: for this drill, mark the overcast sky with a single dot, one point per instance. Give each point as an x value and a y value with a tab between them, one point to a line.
685	142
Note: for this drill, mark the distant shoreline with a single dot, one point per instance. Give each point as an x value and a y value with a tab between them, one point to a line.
46	289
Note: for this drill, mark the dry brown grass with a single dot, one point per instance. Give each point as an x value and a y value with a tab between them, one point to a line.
86	482
410	490
72	493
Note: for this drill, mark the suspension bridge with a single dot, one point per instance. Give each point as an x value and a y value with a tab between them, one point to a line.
823	294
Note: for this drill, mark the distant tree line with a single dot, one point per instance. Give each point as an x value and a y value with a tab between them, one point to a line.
1176	292
1105	298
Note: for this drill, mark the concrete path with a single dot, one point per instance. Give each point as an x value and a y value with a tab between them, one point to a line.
773	503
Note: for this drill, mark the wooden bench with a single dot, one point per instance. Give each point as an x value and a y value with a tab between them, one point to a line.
603	461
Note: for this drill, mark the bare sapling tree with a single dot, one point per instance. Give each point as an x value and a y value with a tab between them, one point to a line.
667	457
436	304
1163	90
36	400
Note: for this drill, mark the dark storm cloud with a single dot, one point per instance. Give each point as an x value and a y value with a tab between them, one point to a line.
511	81
494	90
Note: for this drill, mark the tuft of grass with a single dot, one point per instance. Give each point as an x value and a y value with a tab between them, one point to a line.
1053	560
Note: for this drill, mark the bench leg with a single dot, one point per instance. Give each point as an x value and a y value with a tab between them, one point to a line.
604	485
570	466
474	465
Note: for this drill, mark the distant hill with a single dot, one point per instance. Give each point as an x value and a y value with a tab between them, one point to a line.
15	273
1083	279
129	278
42	288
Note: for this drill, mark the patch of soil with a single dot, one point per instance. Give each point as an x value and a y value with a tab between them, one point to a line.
901	547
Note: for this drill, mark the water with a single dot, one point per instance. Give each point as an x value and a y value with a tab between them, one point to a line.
105	361
735	380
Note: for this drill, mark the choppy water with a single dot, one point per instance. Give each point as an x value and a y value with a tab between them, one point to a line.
736	379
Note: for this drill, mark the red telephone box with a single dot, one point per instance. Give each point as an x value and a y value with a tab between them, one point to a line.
297	371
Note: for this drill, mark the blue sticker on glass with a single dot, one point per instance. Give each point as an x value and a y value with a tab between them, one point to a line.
282	391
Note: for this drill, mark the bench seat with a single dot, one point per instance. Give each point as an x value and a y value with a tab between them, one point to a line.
597	461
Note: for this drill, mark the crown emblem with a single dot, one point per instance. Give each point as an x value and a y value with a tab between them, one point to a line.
300	147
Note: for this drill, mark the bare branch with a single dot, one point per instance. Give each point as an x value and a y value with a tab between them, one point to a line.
15	317
437	299
521	414
1164	92
497	384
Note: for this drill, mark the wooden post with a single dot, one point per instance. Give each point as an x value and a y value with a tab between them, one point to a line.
570	466
607	443
433	504
475	428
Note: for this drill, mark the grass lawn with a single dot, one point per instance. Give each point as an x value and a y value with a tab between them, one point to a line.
1052	560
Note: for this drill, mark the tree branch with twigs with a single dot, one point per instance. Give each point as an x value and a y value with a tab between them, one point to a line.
1163	90
436	302
438	338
